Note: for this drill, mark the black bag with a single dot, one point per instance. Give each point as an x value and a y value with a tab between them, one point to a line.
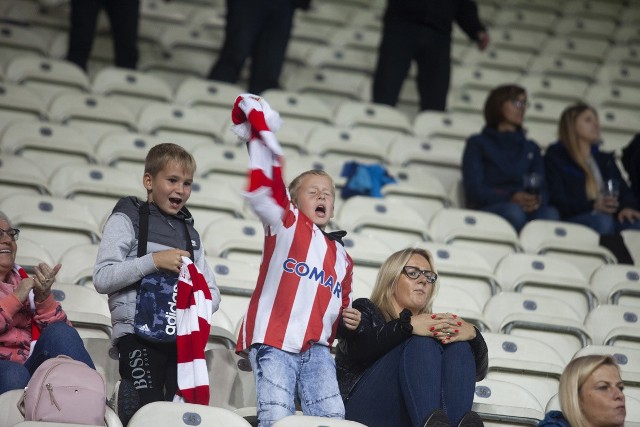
155	317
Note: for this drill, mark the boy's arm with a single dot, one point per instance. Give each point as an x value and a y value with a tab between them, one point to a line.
113	271
206	271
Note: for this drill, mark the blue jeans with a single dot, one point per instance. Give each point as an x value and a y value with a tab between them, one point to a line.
409	382
56	339
517	217
281	376
603	223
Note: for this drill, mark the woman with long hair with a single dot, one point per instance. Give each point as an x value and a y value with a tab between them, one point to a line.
588	187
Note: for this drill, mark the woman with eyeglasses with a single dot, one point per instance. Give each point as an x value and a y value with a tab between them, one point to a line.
33	326
502	169
405	365
588	187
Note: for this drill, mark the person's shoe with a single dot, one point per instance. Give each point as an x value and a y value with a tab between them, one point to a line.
125	400
471	419
438	418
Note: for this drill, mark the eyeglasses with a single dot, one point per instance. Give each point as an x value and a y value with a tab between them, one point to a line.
415	272
12	232
518	103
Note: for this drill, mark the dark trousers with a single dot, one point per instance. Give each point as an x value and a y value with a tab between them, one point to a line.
403	42
152	367
123	18
258	29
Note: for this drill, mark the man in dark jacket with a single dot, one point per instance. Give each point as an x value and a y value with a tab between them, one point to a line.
421	30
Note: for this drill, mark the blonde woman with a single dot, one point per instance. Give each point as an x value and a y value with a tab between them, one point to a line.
581	177
405	365
591	395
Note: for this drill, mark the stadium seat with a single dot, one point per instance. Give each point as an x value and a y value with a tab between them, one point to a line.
617	284
581	48
390	220
9	413
18	102
330	86
562	66
358	36
93	115
95	186
21	175
527	15
607	95
177	66
616	119
185	414
465	269
312	33
576	26
489	234
128	150
232	380
105	357
223	161
500	59
31	254
501	402
619	74
622	54
467	100
471	77
233	277
538	316
196	93
545	86
134	89
450	125
86	309
573	242
328	13
178	124
55	223
16	41
517	360
47	76
340	58
160	12
454	299
49	145
338	144
545	110
602	10
212	198
632	241
293	105
382	118
546	275
543	133
234	238
77	265
614	325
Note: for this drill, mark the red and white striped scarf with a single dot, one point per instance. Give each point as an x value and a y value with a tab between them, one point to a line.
193	320
35	329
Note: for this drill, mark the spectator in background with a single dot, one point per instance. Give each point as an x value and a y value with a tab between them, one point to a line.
421	30
588	187
631	163
259	30
27	308
123	18
502	170
405	365
590	395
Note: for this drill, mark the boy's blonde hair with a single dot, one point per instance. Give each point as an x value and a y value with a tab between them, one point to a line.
161	155
388	275
294	187
573	378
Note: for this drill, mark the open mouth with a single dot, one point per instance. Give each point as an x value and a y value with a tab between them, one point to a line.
5	251
321	209
175	201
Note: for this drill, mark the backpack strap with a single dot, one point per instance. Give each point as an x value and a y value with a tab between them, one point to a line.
143	232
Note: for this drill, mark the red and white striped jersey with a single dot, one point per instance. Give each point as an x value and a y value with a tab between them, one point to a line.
305	278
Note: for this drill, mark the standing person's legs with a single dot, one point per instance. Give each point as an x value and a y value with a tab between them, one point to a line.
394	59
399	390
58	339
270	47
124	17
318	385
275	372
458	380
434	69
82	28
146	365
243	23
14	376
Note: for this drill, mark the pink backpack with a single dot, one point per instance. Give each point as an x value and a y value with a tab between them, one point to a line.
64	390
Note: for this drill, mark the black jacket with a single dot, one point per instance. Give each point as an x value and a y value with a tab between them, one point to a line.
375	337
438	14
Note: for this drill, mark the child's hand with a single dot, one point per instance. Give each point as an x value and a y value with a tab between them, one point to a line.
351	317
169	260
